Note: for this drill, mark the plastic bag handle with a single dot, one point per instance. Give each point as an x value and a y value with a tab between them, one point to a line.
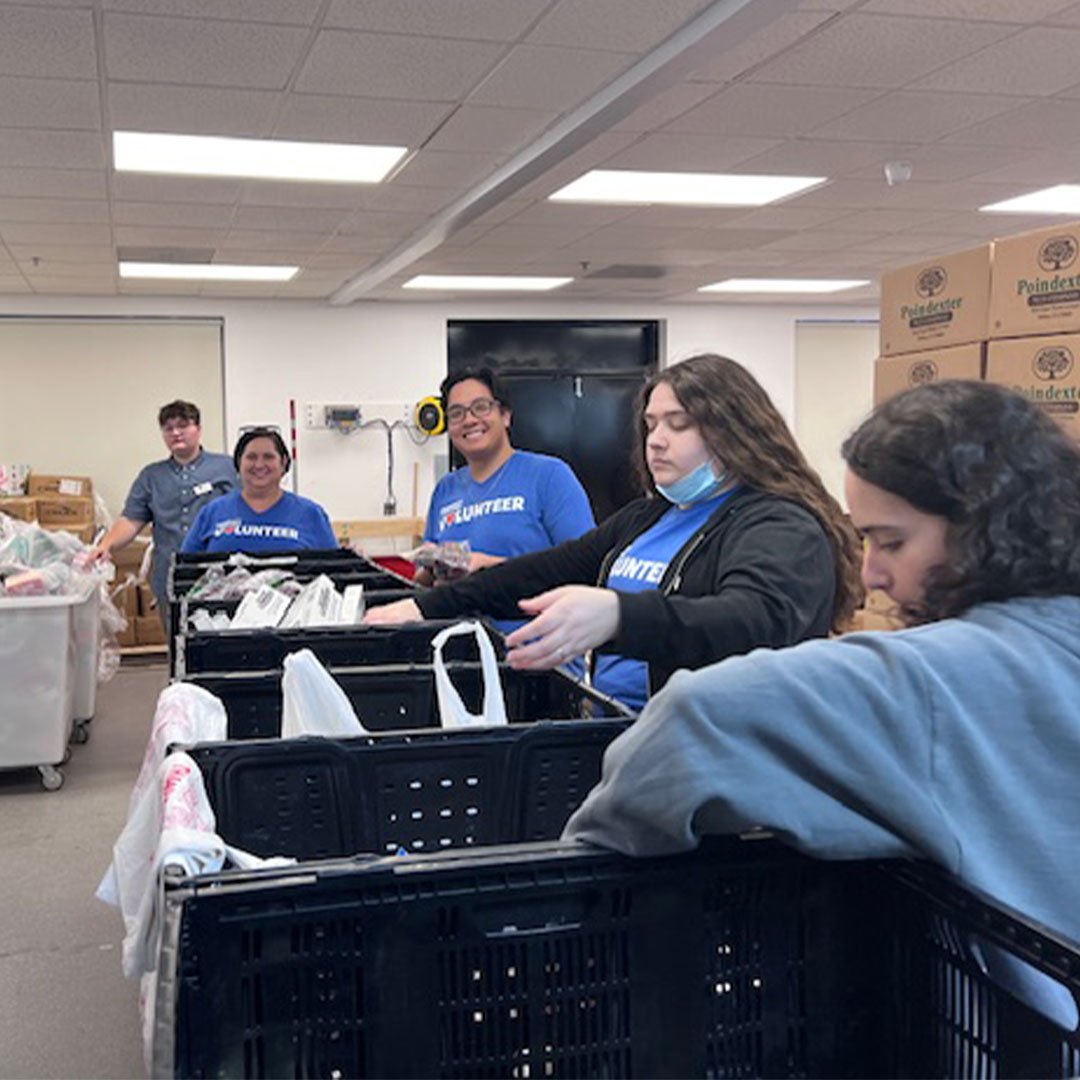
452	711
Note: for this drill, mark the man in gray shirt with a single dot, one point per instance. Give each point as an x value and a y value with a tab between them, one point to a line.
169	493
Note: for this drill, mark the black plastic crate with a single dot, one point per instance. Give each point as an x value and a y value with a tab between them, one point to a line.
401	697
532	961
320	798
265	650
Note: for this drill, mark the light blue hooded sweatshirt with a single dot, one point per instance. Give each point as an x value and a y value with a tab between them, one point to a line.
958	742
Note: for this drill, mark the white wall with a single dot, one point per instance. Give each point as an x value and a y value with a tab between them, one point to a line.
277	350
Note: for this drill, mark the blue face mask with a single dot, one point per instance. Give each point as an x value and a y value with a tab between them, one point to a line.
696	486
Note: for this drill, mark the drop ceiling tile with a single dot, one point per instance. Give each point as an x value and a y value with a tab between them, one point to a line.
166	236
582	215
384	225
1038	169
888	221
689	153
179	215
968	195
294	12
759	109
489	128
51	149
1035	61
450	172
73	287
53	183
817	240
376	121
401	197
481	20
624	25
878	50
140	287
394	66
73	211
549	78
824	157
273	240
191	110
1069	17
44	233
25	253
49	103
332	262
917	117
33	41
201	52
528	237
289	218
356	244
51	268
783	216
310	289
143	187
1007	11
945	162
766	43
849	195
317	196
13	286
1041	125
905	244
683	217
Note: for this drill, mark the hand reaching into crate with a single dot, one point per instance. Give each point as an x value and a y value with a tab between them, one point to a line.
568	622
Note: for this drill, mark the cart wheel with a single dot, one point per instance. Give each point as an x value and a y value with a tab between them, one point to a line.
52	779
79	734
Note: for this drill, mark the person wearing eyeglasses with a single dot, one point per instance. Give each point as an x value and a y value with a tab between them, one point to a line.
504	502
168	494
261	516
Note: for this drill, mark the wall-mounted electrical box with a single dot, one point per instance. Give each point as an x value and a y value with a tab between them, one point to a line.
340	417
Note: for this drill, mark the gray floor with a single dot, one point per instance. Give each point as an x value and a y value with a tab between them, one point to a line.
66	1009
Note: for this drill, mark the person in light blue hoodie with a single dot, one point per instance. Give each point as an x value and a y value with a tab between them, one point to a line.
956	739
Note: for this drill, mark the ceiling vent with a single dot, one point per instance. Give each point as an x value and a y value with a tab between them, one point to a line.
134	253
628	272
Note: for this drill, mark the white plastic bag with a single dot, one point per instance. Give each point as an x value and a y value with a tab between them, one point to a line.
451	708
312	702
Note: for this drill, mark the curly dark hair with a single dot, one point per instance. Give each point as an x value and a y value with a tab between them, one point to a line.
1004	476
745	431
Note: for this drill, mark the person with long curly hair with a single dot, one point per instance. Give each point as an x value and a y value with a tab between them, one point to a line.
736	545
956	739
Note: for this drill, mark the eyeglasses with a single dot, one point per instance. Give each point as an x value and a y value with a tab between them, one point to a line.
172	427
479	408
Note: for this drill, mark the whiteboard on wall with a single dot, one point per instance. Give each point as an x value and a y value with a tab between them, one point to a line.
80	396
834	390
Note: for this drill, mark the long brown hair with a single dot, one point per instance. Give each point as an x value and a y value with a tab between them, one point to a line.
746	434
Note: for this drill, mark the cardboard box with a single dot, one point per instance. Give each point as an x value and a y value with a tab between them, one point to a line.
85	533
892	374
930	305
128	559
40	484
22	507
146	600
1036	283
126	638
65	510
148	630
1046	370
126	599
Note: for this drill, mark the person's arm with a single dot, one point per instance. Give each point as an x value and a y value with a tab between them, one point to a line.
120	534
828	745
498	590
775	582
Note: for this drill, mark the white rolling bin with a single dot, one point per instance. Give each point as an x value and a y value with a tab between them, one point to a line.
45	675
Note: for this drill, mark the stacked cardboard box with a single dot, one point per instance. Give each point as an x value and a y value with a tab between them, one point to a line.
134	598
1008	312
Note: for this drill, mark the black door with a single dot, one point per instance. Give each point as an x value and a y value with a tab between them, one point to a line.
573	385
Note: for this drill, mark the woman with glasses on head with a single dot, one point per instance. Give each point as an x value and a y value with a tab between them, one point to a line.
261	516
504	502
736	545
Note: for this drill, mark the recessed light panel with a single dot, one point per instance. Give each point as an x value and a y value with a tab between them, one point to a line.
682	188
782	285
255	159
485	282
207	272
1062	199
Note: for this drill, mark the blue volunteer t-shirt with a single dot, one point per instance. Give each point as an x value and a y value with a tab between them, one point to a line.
229	524
532	502
641	565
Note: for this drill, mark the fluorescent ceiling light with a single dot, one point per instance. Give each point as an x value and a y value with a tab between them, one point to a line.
207	271
1062	199
781	285
484	282
682	188
259	159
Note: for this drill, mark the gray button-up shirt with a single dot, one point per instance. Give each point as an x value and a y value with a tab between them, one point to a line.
169	495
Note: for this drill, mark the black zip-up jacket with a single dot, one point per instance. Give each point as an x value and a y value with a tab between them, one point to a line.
760	572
